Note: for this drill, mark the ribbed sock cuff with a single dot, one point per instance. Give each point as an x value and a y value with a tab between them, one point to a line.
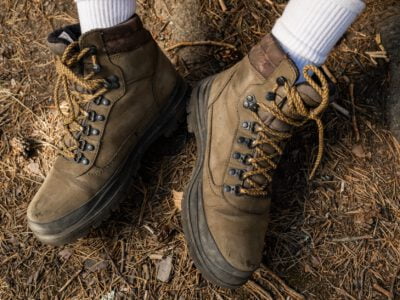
309	29
94	14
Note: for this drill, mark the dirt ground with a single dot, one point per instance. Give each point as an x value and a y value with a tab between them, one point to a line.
335	237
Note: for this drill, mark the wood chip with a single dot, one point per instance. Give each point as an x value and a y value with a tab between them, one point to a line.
177	197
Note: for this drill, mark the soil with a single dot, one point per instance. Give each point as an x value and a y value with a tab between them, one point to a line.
334	237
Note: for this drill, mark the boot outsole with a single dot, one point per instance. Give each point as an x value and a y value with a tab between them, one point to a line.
113	192
202	246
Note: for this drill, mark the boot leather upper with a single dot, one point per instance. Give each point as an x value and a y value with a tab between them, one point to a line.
238	223
146	80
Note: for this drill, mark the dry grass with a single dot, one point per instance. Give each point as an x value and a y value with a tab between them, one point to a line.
335	237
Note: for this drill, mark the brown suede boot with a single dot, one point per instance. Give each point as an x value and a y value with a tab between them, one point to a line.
122	93
242	119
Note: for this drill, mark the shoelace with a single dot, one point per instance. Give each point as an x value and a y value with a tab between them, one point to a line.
66	80
263	163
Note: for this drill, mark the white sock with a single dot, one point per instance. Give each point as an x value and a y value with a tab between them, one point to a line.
94	14
309	29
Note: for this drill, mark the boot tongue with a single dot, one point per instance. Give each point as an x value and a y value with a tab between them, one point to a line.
59	39
309	95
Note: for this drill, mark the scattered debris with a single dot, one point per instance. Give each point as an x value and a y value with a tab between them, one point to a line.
65	254
92	265
109	296
164	269
177	197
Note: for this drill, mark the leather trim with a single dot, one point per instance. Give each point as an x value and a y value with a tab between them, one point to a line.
126	37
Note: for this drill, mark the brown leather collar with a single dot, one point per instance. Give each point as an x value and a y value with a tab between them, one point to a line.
126	36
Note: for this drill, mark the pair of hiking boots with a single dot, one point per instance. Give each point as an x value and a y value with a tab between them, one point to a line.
122	93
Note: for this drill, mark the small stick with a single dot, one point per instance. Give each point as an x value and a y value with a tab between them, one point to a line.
329	74
394	281
383	291
251	285
121	268
292	293
341	109
354	118
223	5
69	281
200	43
353	238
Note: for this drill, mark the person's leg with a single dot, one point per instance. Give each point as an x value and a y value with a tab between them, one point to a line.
242	119
95	14
309	29
121	93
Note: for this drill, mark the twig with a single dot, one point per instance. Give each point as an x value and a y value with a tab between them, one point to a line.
292	293
341	109
223	5
200	43
130	287
329	74
353	238
69	281
394	281
354	118
256	288
383	291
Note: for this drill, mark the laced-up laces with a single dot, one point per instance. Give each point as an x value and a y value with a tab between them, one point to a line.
263	163
66	88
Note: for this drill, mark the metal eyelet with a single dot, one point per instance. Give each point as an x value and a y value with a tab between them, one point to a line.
87	130
112	82
96	68
271	96
244	159
100	118
234	189
248	125
102	101
246	141
237	155
80	159
105	102
93	117
237	173
89	147
281	81
95	131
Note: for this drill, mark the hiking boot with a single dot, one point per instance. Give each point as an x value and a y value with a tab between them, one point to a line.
390	31
242	119
116	93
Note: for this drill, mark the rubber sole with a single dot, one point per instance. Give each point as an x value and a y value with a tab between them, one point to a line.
113	192
202	247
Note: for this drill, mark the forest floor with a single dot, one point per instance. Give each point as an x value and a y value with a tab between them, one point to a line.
334	237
